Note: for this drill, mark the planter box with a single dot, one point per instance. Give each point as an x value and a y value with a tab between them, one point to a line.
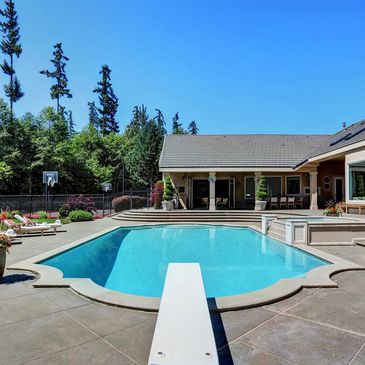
168	205
260	205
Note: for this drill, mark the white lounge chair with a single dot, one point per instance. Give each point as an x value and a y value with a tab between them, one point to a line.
11	234
29	223
19	229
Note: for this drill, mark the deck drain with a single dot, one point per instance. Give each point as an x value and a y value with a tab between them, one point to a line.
160	354
208	355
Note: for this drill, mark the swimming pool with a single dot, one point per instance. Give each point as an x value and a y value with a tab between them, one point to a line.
233	260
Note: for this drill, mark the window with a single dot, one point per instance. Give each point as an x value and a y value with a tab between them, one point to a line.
357	181
250	187
273	185
293	185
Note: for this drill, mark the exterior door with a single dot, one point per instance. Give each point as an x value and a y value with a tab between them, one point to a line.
200	194
232	192
338	193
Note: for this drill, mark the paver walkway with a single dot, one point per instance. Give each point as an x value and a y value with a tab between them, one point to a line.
56	326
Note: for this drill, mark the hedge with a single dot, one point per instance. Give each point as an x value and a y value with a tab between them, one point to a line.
124	202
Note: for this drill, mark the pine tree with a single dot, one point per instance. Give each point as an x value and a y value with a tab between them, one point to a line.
71	123
139	120
108	102
177	127
160	119
93	115
11	47
193	128
60	88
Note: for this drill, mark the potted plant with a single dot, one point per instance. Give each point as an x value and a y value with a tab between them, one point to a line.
261	194
333	209
5	243
168	193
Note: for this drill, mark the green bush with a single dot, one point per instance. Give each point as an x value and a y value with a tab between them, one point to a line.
43	215
261	190
168	190
80	216
64	211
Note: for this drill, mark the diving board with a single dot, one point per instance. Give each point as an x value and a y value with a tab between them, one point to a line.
183	333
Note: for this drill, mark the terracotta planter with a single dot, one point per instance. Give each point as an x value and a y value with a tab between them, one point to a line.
2	262
260	205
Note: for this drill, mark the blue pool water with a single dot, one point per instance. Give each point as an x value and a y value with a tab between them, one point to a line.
233	260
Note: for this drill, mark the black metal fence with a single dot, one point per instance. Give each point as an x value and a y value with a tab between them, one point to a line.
31	204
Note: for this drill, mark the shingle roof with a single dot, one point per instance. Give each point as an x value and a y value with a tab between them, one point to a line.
246	150
331	145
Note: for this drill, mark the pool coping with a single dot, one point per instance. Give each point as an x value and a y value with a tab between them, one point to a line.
53	277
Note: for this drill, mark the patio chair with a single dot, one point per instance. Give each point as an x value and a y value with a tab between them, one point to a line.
20	229
223	202
284	202
29	223
273	202
299	203
291	202
205	202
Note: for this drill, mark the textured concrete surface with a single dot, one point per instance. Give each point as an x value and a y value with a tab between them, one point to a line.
56	326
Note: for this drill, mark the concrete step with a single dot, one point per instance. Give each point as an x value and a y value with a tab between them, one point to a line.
193	219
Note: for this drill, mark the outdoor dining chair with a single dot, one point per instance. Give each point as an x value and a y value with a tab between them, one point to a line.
284	202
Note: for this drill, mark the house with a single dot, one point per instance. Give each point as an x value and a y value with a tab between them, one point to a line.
313	168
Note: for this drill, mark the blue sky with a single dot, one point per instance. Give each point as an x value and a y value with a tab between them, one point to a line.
283	66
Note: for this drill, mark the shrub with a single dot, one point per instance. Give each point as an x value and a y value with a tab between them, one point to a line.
80	216
77	202
64	211
168	190
261	190
124	202
156	196
43	215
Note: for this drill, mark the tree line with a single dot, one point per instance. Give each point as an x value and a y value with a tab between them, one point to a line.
99	153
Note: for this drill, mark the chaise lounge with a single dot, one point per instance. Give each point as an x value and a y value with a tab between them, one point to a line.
29	223
19	229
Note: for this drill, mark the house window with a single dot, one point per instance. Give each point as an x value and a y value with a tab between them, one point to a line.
357	181
293	185
273	185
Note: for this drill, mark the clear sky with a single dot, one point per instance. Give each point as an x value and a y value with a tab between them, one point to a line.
235	66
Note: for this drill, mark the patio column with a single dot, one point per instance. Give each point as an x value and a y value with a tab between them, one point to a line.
212	180
313	190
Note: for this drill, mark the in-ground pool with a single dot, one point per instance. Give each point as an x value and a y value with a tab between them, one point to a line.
233	260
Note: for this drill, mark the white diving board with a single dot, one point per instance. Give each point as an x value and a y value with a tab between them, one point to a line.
183	333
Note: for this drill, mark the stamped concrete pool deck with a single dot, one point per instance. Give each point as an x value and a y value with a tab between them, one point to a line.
57	326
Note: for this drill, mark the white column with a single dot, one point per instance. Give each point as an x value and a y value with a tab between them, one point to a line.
313	190
212	180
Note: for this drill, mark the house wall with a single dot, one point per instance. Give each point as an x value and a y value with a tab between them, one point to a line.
329	170
182	180
350	159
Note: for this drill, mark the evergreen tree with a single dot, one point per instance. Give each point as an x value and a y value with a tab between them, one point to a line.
160	119
93	115
108	102
177	127
11	47
60	88
139	120
193	128
71	123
